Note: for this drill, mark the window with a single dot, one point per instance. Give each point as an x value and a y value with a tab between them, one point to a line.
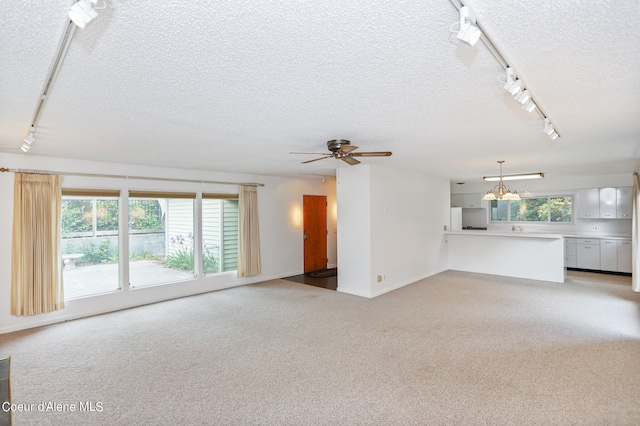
161	237
219	233
89	243
540	209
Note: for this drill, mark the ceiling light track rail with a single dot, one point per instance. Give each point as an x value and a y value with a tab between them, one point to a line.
63	47
100	175
524	98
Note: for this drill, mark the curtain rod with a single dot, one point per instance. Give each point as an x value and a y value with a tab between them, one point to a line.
3	170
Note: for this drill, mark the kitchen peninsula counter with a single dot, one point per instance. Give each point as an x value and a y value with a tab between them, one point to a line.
538	256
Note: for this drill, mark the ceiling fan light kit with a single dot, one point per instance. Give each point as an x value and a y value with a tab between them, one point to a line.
341	149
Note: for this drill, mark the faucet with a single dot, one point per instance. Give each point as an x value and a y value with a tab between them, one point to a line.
514	227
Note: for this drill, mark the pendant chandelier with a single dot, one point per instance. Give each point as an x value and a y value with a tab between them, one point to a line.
501	191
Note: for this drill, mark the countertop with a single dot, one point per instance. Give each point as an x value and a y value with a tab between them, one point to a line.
527	234
515	234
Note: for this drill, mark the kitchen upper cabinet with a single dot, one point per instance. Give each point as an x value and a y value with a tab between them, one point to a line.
588	253
588	203
604	203
467	201
457	200
624	207
472	201
624	256
609	255
608	205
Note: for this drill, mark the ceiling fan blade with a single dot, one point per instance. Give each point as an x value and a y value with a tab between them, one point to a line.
310	153
345	149
372	154
350	160
315	159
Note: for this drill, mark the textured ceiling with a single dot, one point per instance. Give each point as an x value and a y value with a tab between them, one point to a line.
235	85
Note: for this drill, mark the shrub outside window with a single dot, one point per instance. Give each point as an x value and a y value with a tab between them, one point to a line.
89	244
539	209
161	237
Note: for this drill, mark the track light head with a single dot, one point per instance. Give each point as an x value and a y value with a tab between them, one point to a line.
549	129
82	12
522	97
29	140
512	84
529	106
468	33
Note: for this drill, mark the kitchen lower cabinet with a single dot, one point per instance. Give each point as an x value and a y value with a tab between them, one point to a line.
624	256
588	253
570	252
609	255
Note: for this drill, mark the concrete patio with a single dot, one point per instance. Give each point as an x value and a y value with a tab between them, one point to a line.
87	280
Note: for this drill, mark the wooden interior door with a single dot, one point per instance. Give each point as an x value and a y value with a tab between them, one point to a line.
315	232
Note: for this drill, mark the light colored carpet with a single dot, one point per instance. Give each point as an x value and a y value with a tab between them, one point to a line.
456	348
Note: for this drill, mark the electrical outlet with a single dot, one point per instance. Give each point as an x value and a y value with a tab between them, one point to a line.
595	228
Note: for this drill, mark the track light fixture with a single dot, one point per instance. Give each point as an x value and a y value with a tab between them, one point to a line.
469	32
522	97
512	84
83	12
549	129
29	140
529	106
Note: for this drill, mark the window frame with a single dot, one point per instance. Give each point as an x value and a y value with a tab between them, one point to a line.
95	195
124	196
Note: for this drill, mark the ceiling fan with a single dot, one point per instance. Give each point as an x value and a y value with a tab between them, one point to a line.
342	149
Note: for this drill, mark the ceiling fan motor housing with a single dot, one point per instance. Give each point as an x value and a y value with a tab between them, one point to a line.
335	144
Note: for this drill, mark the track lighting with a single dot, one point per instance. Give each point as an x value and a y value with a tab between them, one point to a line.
468	33
83	12
529	106
512	84
522	97
29	140
548	127
549	130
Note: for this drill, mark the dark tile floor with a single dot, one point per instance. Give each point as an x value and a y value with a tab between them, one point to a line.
330	282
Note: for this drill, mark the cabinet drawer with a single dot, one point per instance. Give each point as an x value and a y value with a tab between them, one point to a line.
589	241
569	249
570	240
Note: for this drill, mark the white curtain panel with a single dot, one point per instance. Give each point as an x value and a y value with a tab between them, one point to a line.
635	226
248	232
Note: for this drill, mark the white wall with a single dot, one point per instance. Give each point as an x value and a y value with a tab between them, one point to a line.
394	220
280	238
551	185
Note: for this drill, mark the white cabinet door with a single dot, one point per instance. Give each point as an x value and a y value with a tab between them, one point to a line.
472	201
623	202
588	203
457	200
588	253
570	252
608	203
624	256
609	255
